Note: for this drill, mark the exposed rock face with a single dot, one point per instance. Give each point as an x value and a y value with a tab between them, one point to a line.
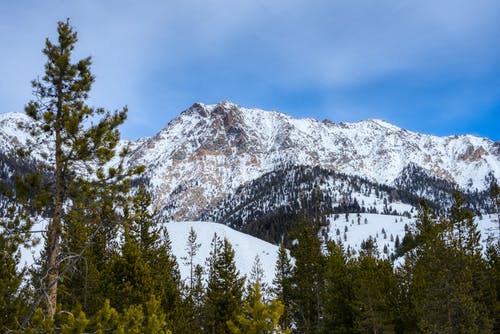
208	151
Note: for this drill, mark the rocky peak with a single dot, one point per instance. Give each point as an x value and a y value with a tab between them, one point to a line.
208	151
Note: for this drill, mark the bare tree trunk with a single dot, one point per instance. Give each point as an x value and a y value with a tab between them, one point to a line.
54	229
54	247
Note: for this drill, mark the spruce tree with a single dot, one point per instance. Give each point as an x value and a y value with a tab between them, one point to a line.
83	139
192	248
308	281
10	281
339	291
374	288
258	317
447	288
224	291
493	270
495	199
282	285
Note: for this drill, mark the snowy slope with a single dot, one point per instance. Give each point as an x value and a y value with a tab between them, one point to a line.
373	225
245	246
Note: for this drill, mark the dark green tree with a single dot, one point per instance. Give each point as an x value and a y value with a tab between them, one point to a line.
339	293
224	291
493	267
447	289
83	139
308	280
495	199
145	265
11	303
374	287
282	285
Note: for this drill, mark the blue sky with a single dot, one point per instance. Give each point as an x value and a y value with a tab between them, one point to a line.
428	66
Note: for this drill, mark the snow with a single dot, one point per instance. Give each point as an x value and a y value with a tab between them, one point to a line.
245	246
372	149
392	225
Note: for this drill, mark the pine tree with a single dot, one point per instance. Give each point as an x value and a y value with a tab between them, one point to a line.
338	296
493	270
192	248
258	317
282	285
145	266
10	280
257	275
447	289
495	198
224	291
83	139
27	194
308	283
374	287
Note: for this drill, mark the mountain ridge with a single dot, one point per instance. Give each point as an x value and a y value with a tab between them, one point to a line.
206	153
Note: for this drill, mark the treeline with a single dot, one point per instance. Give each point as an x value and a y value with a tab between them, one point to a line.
443	281
128	281
269	206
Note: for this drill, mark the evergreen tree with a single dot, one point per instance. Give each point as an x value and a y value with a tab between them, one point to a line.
83	139
308	283
194	303
257	275
256	316
447	287
495	198
10	280
192	248
282	285
145	267
224	291
374	287
339	294
493	269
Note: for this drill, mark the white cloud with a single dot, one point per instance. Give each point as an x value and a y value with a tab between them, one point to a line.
289	43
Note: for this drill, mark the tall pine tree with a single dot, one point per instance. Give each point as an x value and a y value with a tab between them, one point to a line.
224	292
83	139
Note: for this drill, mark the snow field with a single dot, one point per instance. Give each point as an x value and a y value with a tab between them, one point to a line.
246	247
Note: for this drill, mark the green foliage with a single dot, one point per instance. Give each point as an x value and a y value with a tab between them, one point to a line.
11	302
224	291
447	274
283	285
339	291
374	288
308	280
257	317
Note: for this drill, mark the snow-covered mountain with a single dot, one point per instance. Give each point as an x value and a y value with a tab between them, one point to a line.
208	151
211	157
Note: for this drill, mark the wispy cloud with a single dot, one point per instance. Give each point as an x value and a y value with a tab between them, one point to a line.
159	56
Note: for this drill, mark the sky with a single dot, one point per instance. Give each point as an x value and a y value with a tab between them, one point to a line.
431	66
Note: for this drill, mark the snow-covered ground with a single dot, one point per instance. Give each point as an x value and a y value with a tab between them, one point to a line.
374	225
246	247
